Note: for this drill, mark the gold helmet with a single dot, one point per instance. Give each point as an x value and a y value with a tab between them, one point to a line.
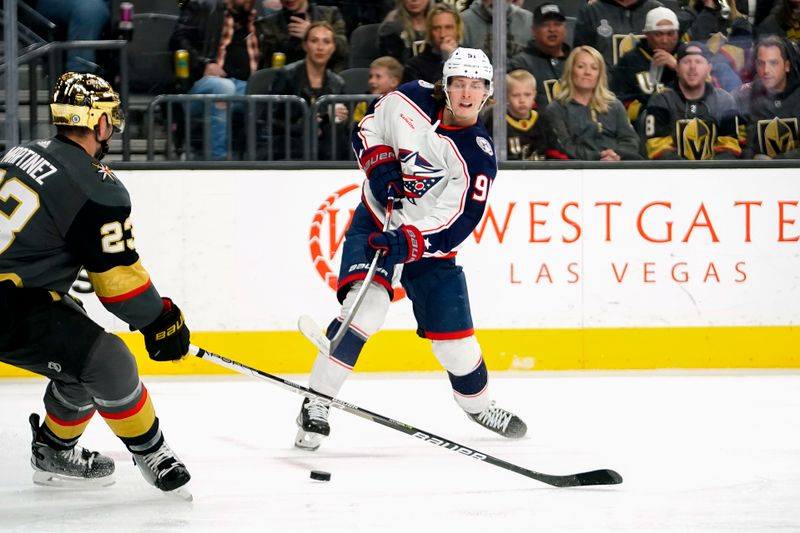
81	99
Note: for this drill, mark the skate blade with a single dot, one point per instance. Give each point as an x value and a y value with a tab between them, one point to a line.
51	479
181	493
308	441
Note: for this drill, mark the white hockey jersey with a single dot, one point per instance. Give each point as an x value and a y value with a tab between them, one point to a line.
447	172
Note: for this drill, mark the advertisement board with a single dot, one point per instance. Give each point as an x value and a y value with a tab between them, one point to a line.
622	268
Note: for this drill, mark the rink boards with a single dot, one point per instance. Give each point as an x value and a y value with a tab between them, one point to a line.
569	269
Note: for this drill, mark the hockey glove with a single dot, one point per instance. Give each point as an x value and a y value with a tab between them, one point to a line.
167	338
402	245
383	172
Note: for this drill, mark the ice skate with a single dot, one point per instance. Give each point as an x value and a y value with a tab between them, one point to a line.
312	424
76	466
164	470
500	421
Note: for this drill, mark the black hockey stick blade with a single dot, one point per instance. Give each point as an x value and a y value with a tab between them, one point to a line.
585	479
595	477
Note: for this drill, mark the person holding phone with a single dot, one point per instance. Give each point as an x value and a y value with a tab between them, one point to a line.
283	31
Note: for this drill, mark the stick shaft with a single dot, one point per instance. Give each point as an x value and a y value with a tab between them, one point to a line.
362	291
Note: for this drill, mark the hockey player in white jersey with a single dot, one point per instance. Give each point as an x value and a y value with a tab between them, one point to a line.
423	143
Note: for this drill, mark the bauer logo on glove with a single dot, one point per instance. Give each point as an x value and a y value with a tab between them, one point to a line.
402	245
167	338
171	330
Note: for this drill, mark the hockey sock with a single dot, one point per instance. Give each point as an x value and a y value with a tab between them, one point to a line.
62	435
471	390
330	372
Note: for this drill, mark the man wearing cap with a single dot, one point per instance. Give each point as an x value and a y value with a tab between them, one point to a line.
650	66
692	119
602	24
545	54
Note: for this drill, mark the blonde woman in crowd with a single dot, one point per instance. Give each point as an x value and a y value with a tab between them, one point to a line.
588	120
402	33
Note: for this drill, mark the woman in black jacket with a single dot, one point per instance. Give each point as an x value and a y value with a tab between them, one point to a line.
311	78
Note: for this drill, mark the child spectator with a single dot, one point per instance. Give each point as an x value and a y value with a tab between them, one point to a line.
529	133
385	74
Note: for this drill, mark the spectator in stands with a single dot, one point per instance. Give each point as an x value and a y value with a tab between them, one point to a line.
770	104
729	36
704	18
284	31
444	33
309	79
478	27
784	21
545	54
267	7
385	74
588	120
84	20
530	135
756	10
650	66
732	55
692	119
223	53
603	23
403	31
360	12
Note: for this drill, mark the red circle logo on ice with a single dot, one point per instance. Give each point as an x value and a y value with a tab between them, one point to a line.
330	222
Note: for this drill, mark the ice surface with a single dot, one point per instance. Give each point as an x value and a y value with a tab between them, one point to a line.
700	452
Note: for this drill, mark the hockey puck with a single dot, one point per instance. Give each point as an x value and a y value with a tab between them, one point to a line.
320	475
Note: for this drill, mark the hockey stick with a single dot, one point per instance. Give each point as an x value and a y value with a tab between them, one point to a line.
595	477
313	332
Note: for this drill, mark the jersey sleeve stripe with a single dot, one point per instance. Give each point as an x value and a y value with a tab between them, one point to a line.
120	283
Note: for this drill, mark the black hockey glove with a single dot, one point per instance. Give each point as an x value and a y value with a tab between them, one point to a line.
167	338
402	245
383	172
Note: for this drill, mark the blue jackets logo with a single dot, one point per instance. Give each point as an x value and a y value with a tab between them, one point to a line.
419	176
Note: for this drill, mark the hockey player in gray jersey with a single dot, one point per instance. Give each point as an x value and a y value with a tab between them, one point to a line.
61	210
425	143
